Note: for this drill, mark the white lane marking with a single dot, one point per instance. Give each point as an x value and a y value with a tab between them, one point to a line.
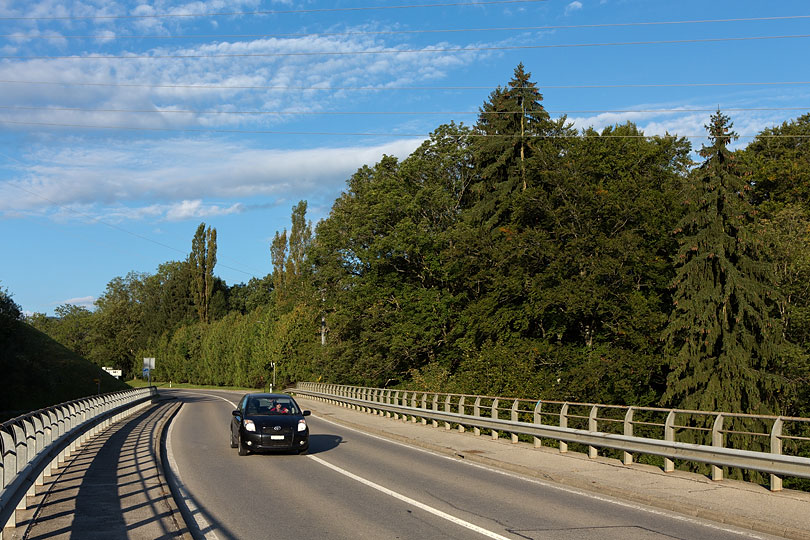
412	502
202	524
573	491
206	395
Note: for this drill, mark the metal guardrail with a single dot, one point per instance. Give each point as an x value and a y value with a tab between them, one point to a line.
641	430
33	445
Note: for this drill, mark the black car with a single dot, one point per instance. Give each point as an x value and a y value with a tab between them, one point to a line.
265	422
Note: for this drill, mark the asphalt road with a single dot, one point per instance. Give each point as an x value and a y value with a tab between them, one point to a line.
357	486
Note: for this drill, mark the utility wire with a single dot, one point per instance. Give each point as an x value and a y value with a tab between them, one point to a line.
116	227
384	113
264	12
400	51
405	88
361	134
399	32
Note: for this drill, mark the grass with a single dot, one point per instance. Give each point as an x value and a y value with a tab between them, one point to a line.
38	372
139	383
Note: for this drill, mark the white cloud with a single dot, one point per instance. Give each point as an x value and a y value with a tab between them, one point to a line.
573	6
178	179
83	301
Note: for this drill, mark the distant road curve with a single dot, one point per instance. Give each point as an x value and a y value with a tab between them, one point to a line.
357	486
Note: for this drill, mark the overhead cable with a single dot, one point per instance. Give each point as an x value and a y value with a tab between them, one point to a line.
263	12
398	32
399	51
405	88
362	134
385	113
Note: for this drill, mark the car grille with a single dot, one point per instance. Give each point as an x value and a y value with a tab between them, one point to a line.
269	430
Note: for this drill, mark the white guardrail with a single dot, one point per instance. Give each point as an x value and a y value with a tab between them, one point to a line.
669	433
33	445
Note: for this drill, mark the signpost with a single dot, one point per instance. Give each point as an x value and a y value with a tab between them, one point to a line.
148	366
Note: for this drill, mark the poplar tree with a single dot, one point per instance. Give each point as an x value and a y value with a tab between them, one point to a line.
201	260
721	335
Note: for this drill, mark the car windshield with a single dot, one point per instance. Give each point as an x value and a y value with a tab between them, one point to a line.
266	405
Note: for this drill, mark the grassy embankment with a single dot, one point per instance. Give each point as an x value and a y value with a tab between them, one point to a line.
37	372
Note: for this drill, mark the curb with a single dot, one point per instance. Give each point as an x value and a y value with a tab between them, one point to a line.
166	478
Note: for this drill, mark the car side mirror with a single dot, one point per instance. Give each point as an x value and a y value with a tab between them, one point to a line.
236	412
307	413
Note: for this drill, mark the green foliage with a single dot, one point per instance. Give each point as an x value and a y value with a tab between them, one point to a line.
518	257
201	260
39	372
725	345
9	313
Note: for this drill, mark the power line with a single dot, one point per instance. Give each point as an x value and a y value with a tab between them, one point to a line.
359	134
384	113
401	51
400	32
264	12
116	227
397	88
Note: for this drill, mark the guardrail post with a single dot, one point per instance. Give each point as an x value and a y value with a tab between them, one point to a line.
404	402
414	404
564	424
514	417
396	402
593	426
424	407
776	448
447	408
669	435
538	419
388	402
435	405
494	414
627	457
461	411
717	440
477	412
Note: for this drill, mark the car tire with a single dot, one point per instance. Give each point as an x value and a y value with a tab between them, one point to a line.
233	441
303	451
243	451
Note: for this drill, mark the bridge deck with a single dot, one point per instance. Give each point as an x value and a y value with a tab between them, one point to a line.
111	488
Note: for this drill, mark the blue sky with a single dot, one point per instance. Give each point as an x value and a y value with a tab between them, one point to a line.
123	125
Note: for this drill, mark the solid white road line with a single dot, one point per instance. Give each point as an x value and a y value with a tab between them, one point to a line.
412	502
558	487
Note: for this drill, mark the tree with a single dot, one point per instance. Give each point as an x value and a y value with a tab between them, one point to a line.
779	159
722	335
202	259
10	312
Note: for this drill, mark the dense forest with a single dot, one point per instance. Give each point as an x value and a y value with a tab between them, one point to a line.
514	257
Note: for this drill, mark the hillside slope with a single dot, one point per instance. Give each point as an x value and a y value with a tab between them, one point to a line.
36	372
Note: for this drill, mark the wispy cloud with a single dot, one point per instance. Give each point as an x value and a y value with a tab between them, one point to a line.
180	178
83	301
573	6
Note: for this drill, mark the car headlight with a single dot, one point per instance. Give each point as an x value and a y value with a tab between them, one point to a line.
249	425
302	425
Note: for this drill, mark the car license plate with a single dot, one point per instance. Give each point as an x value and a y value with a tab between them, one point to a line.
277	437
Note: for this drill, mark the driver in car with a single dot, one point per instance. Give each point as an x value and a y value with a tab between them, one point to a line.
279	409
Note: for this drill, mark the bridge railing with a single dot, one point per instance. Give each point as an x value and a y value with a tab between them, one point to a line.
719	439
33	445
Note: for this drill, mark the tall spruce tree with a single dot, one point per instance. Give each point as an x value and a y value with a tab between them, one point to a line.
511	125
721	336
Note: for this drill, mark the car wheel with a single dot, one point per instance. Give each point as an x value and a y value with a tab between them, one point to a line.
233	441
243	451
303	451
